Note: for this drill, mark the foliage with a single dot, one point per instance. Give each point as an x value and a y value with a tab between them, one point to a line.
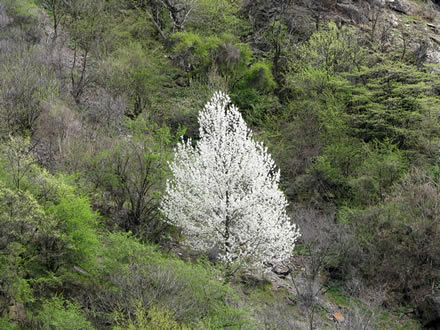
259	76
348	110
17	161
153	318
406	225
7	325
224	191
135	72
59	313
384	165
25	85
78	222
46	230
217	17
396	101
130	175
20	217
86	22
24	24
183	292
252	92
335	49
197	54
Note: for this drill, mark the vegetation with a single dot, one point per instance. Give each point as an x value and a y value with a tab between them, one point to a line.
231	178
94	97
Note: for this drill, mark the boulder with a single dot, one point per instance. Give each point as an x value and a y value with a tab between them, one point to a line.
17	312
254	281
401	6
429	311
379	3
353	12
282	270
4	18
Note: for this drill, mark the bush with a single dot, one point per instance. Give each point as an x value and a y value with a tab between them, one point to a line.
7	325
58	313
24	25
128	177
400	238
153	318
46	230
334	49
135	72
77	222
197	54
25	85
134	272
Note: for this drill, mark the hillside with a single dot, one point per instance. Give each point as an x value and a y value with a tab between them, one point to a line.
96	95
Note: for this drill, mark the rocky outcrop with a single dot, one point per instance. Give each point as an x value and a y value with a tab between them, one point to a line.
429	311
4	18
401	6
353	12
282	269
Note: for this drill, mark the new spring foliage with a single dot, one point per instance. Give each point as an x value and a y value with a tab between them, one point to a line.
224	191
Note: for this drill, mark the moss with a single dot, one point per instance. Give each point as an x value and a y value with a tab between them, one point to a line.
336	297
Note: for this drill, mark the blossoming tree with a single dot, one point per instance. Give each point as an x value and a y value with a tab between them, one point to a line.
224	192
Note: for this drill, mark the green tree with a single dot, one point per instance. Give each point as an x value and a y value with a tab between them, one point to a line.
134	72
396	101
131	174
334	49
59	313
46	230
399	238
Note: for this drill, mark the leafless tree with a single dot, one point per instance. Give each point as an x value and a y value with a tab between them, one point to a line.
178	12
55	9
322	239
317	243
362	313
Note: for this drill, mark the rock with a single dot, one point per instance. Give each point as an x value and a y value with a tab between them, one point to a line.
338	317
433	27
429	311
254	281
401	6
436	40
17	312
433	56
282	270
379	3
353	12
4	18
81	271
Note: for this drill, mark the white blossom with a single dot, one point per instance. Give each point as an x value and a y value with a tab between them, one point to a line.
224	191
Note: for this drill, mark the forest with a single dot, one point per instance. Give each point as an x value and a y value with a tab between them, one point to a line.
102	104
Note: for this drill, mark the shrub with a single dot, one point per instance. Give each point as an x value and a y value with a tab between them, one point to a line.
134	272
77	223
25	85
129	176
59	313
152	318
400	238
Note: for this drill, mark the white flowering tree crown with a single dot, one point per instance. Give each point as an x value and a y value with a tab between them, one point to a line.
224	191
